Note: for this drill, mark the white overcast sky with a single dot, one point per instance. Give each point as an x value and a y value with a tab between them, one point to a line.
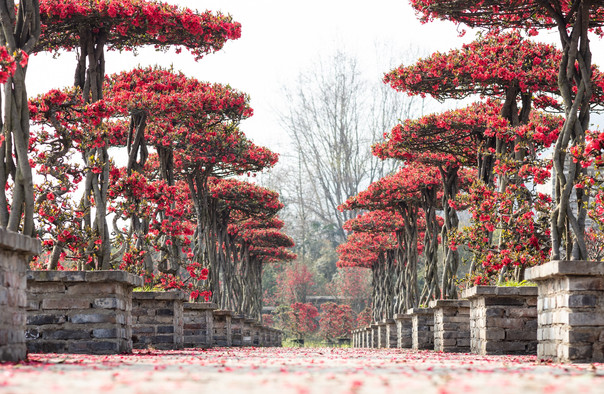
279	39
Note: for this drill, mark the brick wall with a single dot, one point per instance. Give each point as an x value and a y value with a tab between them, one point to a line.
422	329
570	310
404	331
451	325
80	311
503	320
222	328
16	251
198	328
157	319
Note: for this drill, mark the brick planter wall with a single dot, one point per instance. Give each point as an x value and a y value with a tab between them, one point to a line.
80	311
570	310
503	320
422	328
222	328
381	334
248	334
391	334
375	339
198	328
404	331
257	334
16	251
279	338
368	337
451	325
237	323
157	319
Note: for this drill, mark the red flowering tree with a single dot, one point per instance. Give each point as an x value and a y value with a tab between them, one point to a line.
303	319
450	141
20	33
91	27
363	318
573	21
295	283
373	244
243	210
336	321
409	191
353	285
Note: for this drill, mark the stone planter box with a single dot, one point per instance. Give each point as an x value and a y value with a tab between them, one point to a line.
257	334
503	320
157	319
270	337
451	325
16	251
279	338
247	338
368	337
198	328
570	310
422	328
222	328
237	323
391	335
80	311
404	331
381	334
375	339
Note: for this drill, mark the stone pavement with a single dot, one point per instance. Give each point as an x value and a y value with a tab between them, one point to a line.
300	371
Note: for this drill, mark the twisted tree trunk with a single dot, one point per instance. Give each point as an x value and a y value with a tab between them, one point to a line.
20	32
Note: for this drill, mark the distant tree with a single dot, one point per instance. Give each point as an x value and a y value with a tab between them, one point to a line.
364	318
336	321
303	319
334	114
295	283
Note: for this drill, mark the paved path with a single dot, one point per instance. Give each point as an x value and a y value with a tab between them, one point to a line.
300	371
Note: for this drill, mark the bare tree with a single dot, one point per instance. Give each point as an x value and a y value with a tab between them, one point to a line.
334	115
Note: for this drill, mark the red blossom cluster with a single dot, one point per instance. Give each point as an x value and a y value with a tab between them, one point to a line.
336	321
126	25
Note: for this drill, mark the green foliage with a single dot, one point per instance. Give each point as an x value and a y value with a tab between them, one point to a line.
515	283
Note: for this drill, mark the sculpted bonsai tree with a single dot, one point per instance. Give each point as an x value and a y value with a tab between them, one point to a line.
373	244
90	28
412	190
573	22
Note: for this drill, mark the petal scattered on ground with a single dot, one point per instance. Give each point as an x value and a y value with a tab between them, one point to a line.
286	370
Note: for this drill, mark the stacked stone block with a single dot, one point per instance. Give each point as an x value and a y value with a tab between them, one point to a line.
256	334
157	319
391	334
80	311
404	331
198	327
375	340
248	334
222	328
422	328
16	251
381	334
237	322
368	339
570	310
279	338
503	320
451	325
